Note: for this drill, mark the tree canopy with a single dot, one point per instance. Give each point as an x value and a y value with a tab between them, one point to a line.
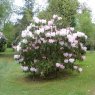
65	8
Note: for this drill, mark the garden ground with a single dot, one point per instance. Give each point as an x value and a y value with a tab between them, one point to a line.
14	82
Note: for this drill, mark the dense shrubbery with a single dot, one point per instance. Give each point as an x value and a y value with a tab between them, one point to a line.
45	49
2	42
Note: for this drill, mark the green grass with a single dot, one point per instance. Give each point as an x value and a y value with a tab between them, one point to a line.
14	82
7	51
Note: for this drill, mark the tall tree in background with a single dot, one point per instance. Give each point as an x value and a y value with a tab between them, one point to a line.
84	21
5	11
27	13
5	15
8	31
84	24
65	8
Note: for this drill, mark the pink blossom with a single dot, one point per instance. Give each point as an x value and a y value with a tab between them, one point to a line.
52	34
16	56
51	41
62	66
24	50
24	68
43	21
70	55
57	64
73	45
24	33
21	60
71	38
55	16
38	32
59	18
41	30
80	69
44	57
84	48
83	57
18	48
35	60
75	67
32	69
42	39
61	43
25	41
57	32
33	45
71	60
48	34
36	47
50	23
65	54
66	61
62	32
36	20
39	41
47	27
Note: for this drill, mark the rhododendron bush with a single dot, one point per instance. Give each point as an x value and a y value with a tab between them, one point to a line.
45	48
2	42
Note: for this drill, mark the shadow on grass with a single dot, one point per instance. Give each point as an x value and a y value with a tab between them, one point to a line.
60	76
6	55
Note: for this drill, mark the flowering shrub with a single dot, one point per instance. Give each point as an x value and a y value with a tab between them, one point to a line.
2	42
45	49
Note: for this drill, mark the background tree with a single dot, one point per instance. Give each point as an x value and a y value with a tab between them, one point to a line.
27	14
8	31
5	15
5	11
65	8
84	21
12	30
84	24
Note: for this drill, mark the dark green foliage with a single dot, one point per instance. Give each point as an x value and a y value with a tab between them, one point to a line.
9	32
2	43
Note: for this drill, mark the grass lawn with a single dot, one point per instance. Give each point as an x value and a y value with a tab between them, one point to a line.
14	82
